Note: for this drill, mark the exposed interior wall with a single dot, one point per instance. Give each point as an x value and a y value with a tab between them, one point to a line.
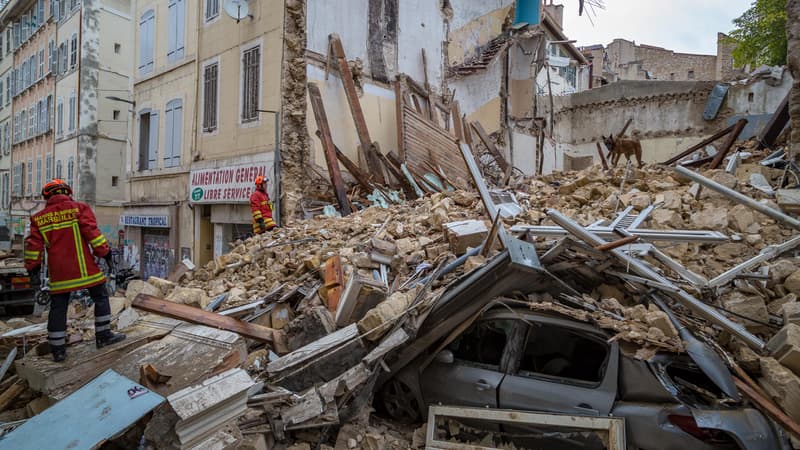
421	26
377	102
466	37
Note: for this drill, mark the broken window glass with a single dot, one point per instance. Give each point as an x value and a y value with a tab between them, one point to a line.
559	352
483	342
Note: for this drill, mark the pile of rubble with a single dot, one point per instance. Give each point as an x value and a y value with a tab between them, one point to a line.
290	334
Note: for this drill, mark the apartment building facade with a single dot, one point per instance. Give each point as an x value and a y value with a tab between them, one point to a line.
68	57
6	66
199	134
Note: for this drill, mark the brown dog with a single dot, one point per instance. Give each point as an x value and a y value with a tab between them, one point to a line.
619	147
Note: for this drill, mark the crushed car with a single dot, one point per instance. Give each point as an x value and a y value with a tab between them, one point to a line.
518	359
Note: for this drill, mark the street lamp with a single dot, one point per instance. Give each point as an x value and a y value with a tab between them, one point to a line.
276	165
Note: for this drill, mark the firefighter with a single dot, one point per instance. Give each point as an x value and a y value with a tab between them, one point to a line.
261	207
68	230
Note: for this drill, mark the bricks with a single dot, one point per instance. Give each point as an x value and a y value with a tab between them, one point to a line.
785	347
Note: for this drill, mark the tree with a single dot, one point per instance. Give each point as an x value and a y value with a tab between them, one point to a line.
760	34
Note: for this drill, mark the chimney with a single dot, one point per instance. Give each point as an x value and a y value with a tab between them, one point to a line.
556	13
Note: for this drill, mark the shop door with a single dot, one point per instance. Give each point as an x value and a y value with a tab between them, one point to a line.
156	255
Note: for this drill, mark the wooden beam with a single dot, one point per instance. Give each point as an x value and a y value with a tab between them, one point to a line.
398	174
10	394
776	124
501	161
355	105
698	146
362	178
726	146
196	315
329	149
458	127
602	156
625	128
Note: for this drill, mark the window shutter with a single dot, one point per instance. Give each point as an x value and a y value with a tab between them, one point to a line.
180	28
152	156
172	29
169	123
177	132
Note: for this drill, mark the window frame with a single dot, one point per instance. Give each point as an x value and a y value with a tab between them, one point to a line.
211	128
73	51
213	7
243	88
170	137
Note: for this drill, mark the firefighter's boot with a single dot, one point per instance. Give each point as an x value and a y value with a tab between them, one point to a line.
106	337
59	352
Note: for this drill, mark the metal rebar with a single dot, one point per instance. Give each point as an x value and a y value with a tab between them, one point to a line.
641	269
739	197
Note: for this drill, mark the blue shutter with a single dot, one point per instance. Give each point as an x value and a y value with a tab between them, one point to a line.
180	28
172	29
169	123
177	133
152	156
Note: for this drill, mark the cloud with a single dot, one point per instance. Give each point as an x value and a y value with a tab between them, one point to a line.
687	26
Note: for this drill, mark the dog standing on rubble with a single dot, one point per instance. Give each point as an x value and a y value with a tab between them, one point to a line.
619	147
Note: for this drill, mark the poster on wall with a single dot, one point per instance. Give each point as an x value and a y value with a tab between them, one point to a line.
229	181
156	253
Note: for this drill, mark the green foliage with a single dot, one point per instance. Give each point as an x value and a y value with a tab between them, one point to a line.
760	34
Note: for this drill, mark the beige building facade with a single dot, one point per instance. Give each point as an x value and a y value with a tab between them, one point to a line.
157	218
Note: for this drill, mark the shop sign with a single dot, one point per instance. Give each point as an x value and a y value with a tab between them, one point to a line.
139	220
230	184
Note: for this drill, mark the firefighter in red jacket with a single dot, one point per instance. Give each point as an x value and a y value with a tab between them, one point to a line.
68	231
261	207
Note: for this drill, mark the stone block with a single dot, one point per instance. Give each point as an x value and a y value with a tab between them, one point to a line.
791	313
742	219
780	270
136	287
775	307
165	286
782	385
752	307
785	347
189	296
792	282
386	311
464	234
710	218
660	320
359	296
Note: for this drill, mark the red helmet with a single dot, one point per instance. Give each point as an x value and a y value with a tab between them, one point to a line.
261	180
55	187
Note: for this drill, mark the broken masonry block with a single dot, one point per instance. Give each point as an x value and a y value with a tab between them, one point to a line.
785	347
360	295
464	234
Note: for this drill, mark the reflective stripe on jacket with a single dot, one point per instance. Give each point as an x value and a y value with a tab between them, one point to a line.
68	229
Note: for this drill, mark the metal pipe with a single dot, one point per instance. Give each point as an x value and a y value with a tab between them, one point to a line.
641	269
739	198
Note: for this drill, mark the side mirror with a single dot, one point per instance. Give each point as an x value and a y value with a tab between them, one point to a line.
445	357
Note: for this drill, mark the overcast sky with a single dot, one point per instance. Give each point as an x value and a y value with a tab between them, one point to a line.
688	26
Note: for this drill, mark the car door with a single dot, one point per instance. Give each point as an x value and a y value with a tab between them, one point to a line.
470	370
564	367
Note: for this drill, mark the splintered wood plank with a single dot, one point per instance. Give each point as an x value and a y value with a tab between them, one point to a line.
355	105
199	316
334	281
501	161
329	149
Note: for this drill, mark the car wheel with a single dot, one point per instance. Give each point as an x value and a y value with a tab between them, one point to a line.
399	402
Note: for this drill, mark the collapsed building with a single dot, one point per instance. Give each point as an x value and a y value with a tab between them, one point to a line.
431	276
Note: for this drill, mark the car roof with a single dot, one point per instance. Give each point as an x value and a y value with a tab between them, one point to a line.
550	318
